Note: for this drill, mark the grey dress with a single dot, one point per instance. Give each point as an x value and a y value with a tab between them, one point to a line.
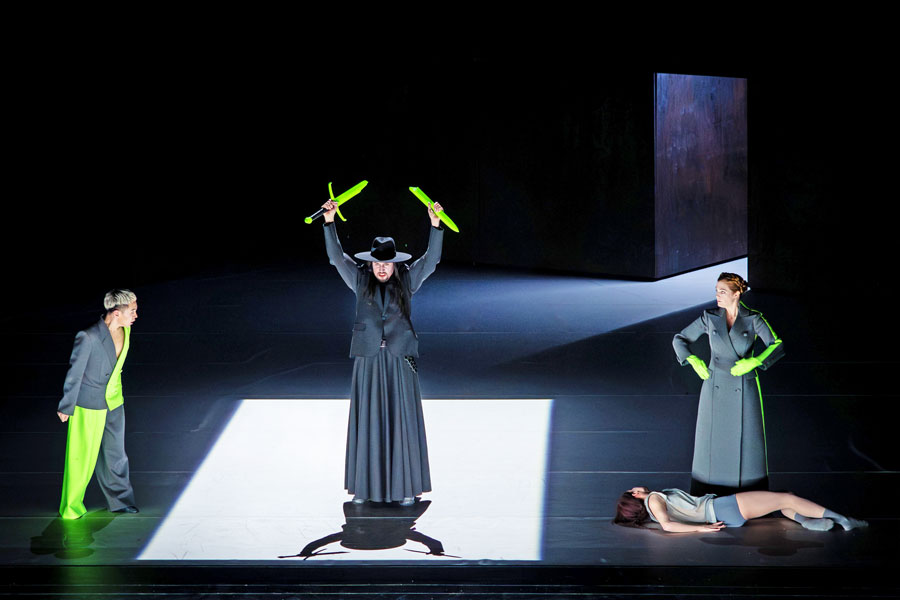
730	439
387	452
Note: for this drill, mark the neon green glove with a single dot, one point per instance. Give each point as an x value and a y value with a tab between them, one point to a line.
745	365
699	366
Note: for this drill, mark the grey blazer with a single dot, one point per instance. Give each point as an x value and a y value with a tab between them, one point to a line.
378	319
92	362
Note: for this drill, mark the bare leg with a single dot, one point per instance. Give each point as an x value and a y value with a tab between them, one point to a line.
806	512
757	504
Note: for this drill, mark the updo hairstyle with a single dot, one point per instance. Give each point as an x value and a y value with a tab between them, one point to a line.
735	282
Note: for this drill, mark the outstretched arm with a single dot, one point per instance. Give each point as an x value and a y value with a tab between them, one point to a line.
345	265
425	265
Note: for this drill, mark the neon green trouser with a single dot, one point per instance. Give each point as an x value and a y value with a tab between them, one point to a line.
82	447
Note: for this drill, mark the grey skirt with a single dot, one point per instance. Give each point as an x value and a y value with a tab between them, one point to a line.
387	455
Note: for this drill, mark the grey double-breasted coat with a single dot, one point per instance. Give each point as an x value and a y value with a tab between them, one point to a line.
730	439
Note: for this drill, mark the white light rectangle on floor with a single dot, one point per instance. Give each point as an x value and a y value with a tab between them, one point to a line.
273	483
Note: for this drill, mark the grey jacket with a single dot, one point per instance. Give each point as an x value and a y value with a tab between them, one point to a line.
727	347
378	319
92	362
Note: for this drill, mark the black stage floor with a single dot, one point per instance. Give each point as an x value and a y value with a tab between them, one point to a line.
545	396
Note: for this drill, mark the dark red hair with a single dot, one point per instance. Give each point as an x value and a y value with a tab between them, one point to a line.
630	511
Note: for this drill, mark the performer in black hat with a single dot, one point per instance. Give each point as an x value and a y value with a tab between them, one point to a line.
387	455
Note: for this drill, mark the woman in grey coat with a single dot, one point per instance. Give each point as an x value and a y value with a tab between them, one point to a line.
387	453
730	439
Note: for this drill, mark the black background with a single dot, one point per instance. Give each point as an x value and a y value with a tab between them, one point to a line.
145	153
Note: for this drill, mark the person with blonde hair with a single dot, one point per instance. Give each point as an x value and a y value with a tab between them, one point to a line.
730	437
93	408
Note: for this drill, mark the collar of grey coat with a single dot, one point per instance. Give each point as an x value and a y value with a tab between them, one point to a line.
738	328
108	344
743	311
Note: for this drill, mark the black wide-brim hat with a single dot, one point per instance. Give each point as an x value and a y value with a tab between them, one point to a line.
383	250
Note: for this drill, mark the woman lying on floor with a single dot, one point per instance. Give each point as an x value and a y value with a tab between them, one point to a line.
678	511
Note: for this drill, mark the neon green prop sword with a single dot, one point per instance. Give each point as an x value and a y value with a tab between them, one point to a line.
339	200
418	193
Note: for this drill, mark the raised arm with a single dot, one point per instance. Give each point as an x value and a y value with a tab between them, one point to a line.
658	508
345	265
425	265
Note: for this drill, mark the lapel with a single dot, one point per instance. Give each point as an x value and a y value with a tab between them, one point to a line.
721	328
108	344
740	326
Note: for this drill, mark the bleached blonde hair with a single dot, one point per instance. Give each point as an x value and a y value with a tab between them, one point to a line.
118	299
